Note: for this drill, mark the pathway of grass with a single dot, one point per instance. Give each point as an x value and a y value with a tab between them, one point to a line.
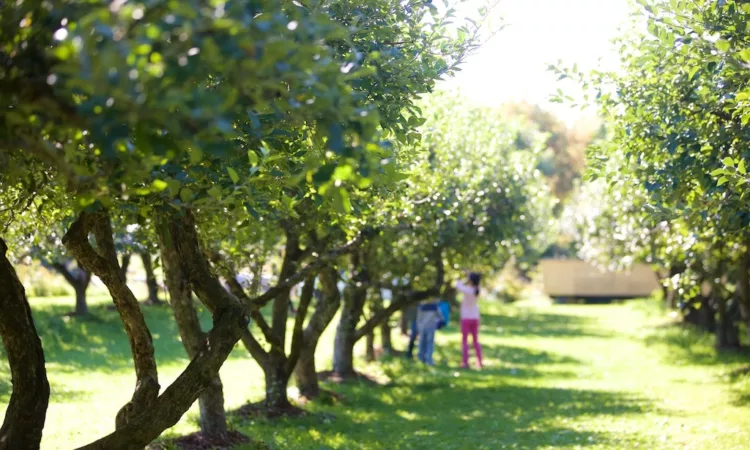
557	377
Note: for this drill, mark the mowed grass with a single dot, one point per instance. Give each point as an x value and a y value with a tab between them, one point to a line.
562	376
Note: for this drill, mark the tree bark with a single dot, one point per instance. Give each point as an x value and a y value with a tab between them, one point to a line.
104	264
25	415
385	327
403	321
213	420
343	348
229	319
305	372
370	347
169	407
82	307
211	406
124	265
727	333
151	284
80	283
385	337
275	369
277	381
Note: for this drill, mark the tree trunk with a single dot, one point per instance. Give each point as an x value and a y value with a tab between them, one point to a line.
343	348
229	321
385	337
124	264
151	284
82	308
25	415
103	262
404	320
385	328
213	420
275	367
305	371
79	279
277	380
727	333
370	347
212	412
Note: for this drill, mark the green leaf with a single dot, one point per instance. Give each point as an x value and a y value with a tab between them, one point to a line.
186	195
174	187
741	167
252	157
195	155
729	162
215	192
721	181
718	172
233	175
693	71
744	54
343	203
159	185
723	45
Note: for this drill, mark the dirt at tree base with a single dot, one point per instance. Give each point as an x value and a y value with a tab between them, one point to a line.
199	441
252	410
326	397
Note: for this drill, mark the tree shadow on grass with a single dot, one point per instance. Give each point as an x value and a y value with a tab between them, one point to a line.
685	344
541	324
515	361
59	393
99	341
465	414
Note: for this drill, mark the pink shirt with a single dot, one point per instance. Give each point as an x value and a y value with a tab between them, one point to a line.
469	306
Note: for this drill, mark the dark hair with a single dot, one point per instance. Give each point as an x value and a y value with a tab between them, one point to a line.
474	278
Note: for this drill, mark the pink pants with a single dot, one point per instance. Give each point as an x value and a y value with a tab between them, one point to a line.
470	326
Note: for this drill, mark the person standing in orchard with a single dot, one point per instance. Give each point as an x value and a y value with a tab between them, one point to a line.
470	316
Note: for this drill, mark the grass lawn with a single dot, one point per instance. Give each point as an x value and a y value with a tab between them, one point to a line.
605	376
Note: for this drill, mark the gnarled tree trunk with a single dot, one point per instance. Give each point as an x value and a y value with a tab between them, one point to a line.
213	420
104	264
229	321
305	372
343	347
25	415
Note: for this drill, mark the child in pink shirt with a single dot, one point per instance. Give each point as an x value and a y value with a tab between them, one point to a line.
470	317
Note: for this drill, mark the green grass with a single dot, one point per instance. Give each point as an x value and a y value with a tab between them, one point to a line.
609	376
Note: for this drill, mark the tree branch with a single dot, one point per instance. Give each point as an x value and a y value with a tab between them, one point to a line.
408	298
254	348
62	270
312	267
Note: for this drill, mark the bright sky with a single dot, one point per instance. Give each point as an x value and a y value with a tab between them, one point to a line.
512	66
